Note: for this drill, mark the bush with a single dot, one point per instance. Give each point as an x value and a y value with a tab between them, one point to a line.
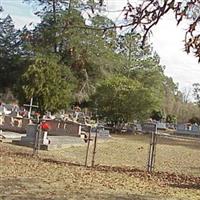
194	120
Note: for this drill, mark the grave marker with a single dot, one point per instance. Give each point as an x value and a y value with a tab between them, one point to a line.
30	107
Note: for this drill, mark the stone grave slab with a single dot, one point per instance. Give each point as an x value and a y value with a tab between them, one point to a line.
6	136
55	142
58	142
101	132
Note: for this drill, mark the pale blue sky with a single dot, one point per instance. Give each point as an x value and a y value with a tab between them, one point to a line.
167	40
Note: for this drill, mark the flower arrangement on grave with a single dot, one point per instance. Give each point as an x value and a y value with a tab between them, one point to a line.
44	126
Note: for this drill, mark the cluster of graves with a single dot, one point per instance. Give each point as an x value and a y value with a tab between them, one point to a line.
188	129
63	131
66	129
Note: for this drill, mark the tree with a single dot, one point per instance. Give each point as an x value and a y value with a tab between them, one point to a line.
12	64
171	119
170	92
142	17
75	47
120	99
157	115
194	120
142	65
49	83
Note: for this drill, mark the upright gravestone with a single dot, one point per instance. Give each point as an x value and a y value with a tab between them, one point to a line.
151	128
31	129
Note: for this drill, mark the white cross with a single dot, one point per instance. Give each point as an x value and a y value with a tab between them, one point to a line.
30	107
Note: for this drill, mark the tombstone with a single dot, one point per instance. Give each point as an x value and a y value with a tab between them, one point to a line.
180	127
30	137
139	127
25	122
195	128
46	141
31	130
131	128
101	132
149	127
161	126
64	128
7	123
16	121
6	109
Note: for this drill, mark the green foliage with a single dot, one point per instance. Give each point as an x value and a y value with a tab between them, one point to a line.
49	83
12	64
74	43
141	64
120	99
194	120
171	119
78	54
156	115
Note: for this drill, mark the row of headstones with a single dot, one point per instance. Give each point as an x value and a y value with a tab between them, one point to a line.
185	128
33	129
56	127
13	124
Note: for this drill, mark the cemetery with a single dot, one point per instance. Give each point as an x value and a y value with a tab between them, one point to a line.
140	161
94	105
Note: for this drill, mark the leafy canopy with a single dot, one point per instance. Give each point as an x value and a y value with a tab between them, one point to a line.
49	83
120	99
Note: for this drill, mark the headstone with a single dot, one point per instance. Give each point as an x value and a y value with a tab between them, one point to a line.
149	127
195	128
101	132
161	125
138	127
180	127
69	128
30	134
47	142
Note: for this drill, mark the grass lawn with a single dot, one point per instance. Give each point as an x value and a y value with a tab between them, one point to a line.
119	172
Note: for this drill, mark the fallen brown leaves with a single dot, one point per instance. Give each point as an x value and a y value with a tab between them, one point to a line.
55	174
162	178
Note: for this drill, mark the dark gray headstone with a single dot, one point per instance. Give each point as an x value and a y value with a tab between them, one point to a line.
149	127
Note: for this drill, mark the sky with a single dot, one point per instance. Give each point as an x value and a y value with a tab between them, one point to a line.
167	40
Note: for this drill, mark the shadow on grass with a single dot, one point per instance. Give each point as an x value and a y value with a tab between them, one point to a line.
61	162
67	196
42	194
169	179
46	159
186	186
